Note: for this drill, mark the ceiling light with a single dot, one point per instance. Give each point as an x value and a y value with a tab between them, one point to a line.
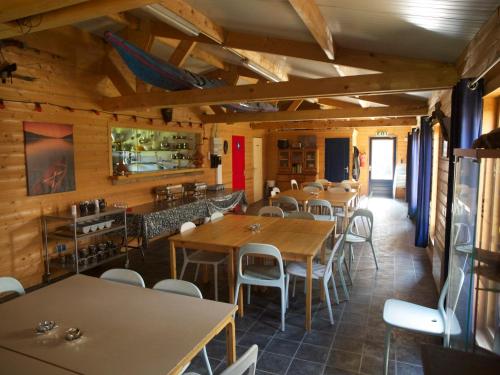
261	71
172	19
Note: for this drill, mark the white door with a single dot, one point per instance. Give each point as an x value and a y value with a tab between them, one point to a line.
258	183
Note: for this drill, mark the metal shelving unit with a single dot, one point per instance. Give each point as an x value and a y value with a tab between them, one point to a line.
69	229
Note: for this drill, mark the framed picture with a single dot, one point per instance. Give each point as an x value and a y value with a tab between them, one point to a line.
50	161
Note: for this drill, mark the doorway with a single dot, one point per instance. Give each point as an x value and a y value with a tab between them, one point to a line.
258	179
382	166
337	159
238	152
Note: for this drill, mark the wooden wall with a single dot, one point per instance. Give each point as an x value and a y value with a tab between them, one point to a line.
69	76
361	139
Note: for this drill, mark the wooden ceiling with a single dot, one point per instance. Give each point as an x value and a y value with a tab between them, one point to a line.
373	79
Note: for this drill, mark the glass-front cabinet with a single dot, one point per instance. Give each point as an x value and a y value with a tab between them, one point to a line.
143	150
284	159
473	301
310	159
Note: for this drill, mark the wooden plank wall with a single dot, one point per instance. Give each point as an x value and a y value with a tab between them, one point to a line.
361	139
71	79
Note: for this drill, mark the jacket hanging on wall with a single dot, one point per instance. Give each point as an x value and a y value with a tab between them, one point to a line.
355	164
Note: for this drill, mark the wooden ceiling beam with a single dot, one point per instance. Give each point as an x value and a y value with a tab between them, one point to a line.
309	13
181	53
69	15
294	105
315	114
330	124
15	9
196	18
307	88
337	103
392	100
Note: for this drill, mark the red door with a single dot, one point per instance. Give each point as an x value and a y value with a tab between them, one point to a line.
238	151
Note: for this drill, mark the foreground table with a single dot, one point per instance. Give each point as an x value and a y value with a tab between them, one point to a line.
339	199
297	240
13	363
126	329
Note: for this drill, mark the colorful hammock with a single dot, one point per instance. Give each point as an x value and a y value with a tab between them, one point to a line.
164	75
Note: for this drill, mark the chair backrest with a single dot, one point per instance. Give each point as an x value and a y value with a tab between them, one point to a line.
124	276
271	211
187	226
311	189
246	364
294	184
9	284
217	215
258	249
300	215
322	181
346	186
178	287
337	248
318	185
451	290
276	189
288	203
320	206
336	189
365	217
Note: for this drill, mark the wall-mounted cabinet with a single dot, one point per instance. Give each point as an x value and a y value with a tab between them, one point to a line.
139	151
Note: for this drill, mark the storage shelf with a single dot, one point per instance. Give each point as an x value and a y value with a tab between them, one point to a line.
67	233
83	268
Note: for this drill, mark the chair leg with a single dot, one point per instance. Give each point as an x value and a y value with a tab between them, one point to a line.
196	272
283	306
351	257
387	348
216	283
328	302
373	252
286	291
249	289
335	294
184	265
294	284
342	280
236	293
207	362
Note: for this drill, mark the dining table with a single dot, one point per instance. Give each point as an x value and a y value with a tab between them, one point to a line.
14	363
125	329
342	199
297	240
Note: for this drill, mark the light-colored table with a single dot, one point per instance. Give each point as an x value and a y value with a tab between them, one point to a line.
297	240
126	329
13	363
339	199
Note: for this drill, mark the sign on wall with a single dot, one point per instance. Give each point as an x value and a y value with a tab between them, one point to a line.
50	161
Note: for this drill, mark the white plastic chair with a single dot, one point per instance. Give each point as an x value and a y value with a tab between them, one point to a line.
356	236
288	204
336	189
217	215
124	276
184	288
323	272
300	215
316	184
294	184
311	189
421	319
11	285
246	364
263	275
201	257
321	209
275	191
273	211
322	181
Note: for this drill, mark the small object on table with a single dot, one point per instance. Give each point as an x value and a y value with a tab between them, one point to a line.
72	334
73	209
45	326
255	228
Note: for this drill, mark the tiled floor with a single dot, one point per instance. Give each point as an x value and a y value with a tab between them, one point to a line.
354	344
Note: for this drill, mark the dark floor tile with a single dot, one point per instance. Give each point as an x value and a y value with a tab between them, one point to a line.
291	333
312	353
217	350
273	363
336	371
198	365
299	367
409	354
283	347
348	344
407	369
344	360
318	338
264	328
372	365
250	338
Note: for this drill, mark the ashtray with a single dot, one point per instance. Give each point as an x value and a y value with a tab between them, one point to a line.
45	326
254	227
72	334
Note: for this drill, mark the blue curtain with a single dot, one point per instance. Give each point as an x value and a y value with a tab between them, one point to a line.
412	177
424	183
466	123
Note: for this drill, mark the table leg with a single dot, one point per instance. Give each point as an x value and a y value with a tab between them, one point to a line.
309	293
322	290
173	265
231	342
230	275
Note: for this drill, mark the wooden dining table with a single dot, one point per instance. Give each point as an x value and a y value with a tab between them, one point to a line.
126	329
14	363
337	198
298	240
